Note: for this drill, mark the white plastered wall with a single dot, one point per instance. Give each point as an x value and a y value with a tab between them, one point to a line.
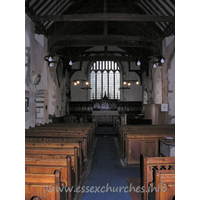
53	102
132	94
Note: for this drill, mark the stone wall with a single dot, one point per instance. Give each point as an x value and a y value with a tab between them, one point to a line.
46	98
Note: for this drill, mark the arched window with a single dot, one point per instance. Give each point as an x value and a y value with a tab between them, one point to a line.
105	79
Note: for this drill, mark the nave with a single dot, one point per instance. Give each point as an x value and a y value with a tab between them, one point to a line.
99	162
107	171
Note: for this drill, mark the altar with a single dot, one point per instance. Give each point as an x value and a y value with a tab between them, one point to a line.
105	117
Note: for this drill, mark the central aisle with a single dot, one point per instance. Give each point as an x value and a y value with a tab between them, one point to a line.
106	171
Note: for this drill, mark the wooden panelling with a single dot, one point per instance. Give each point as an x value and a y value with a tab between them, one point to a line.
134	151
137	147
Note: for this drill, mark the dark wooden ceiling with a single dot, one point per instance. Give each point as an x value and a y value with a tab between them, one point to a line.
74	26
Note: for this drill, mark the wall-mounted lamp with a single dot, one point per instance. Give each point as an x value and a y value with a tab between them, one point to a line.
70	63
128	82
124	82
77	82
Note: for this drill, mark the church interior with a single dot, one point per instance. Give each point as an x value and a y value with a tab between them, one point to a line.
100	99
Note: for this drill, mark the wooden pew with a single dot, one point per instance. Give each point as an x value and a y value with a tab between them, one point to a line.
56	153
62	146
142	129
36	185
142	139
65	139
61	140
143	143
66	127
60	129
165	185
122	128
48	166
148	167
54	133
61	134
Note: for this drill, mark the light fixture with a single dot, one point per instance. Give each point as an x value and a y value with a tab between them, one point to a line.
50	61
70	63
75	83
78	82
124	82
138	63
86	83
154	65
137	82
129	84
162	60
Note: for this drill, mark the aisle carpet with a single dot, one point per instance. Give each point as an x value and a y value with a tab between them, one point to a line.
106	172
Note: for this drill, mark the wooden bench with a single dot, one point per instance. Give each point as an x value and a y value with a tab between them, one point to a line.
63	130
142	129
82	127
60	134
36	185
48	166
31	152
142	139
88	129
149	165
122	128
61	140
165	185
143	143
62	146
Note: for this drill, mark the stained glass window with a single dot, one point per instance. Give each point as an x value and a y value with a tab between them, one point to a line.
105	79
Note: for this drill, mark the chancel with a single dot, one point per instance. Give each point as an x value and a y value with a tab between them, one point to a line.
99	99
